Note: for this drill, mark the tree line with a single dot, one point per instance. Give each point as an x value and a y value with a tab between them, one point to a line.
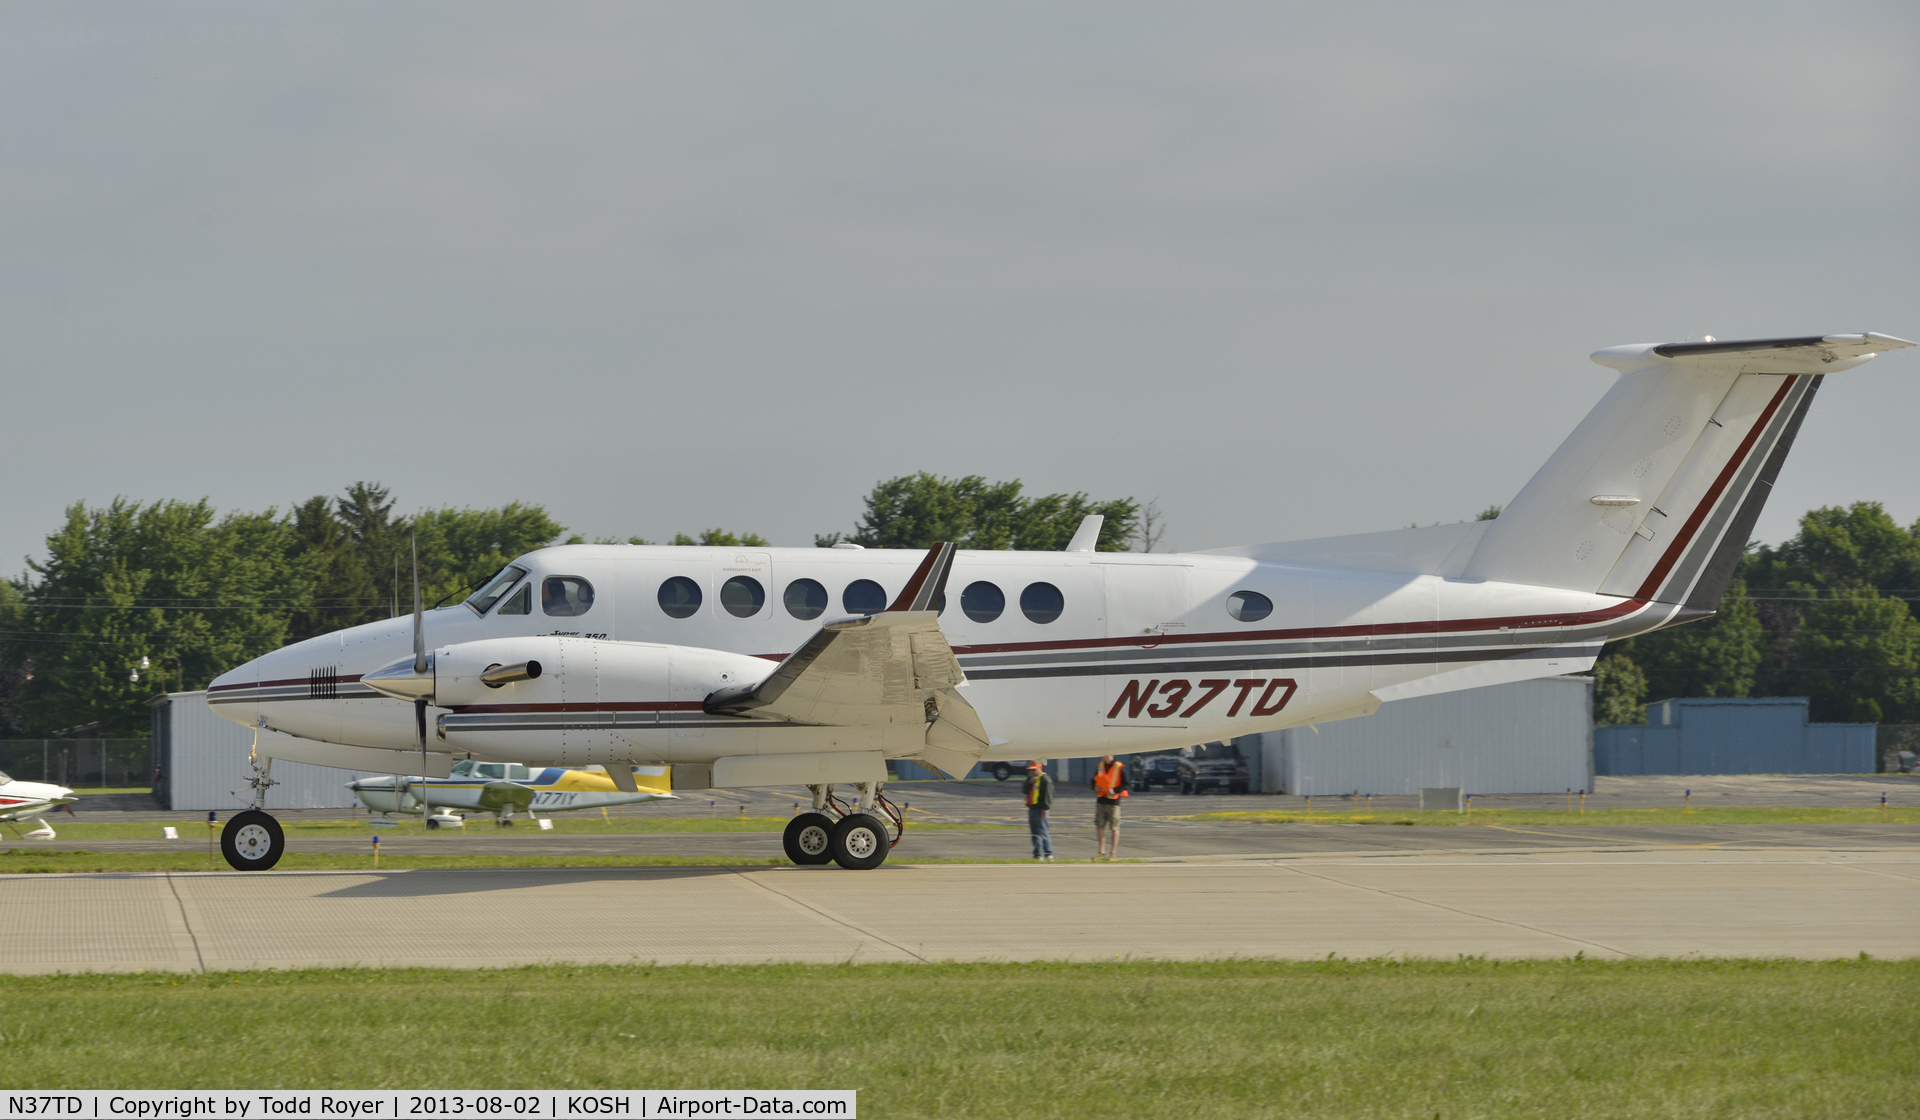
1827	615
192	592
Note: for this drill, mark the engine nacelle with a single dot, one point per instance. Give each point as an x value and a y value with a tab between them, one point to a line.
583	673
597	701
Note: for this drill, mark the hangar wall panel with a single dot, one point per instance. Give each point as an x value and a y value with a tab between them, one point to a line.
1525	737
1710	735
203	761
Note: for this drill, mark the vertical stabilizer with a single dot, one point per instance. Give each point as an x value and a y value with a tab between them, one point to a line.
1653	495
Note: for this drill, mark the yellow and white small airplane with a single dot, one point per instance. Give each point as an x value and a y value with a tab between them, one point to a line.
30	799
504	789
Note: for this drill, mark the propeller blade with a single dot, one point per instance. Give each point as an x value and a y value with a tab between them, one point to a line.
420	727
419	619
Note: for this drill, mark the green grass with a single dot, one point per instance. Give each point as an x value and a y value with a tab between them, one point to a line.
1469	1038
1563	818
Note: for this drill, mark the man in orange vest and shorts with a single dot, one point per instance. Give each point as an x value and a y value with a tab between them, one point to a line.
1109	786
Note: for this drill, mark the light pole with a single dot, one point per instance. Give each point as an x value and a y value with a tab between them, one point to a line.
180	671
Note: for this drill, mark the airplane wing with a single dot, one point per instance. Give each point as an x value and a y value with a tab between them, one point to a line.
889	669
495	796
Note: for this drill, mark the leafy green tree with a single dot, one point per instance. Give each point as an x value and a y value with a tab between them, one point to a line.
358	549
1832	601
196	595
13	659
1856	655
1718	656
1619	691
460	548
1860	545
919	510
364	553
163	581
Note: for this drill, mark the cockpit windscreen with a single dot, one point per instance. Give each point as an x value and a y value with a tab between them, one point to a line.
487	596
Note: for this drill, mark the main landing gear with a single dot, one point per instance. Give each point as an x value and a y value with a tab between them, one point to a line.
856	837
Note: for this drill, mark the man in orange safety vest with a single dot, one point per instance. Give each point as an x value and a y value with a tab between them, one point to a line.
1109	786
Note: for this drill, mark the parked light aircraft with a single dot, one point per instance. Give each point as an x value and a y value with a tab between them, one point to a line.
29	799
756	667
505	788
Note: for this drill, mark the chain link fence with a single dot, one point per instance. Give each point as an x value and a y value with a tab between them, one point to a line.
80	764
1893	738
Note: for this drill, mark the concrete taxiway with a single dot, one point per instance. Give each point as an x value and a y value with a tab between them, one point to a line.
1663	902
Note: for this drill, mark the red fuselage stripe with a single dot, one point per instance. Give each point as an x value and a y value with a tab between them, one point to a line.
1712	497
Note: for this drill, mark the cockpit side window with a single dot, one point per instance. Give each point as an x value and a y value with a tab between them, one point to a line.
520	602
461	768
566	596
491	769
484	599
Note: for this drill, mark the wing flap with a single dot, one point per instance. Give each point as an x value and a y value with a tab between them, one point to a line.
892	669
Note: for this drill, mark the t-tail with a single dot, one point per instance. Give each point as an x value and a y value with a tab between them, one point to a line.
1654	495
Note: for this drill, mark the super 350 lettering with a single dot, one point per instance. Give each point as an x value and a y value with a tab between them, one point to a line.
1160	700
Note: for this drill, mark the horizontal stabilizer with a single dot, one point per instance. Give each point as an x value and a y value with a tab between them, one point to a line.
1813	354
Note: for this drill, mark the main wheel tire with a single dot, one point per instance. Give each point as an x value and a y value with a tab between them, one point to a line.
1186	787
252	841
809	839
860	842
432	824
1001	771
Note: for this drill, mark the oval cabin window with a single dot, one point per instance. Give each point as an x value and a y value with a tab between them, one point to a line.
1042	602
863	596
805	599
680	597
743	596
1249	606
983	601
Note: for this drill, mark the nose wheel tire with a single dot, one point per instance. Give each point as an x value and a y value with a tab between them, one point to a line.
809	839
860	842
252	841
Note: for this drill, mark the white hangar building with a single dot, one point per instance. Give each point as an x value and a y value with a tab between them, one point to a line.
1526	737
201	760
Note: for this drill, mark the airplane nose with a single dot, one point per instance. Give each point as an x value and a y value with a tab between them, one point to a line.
234	693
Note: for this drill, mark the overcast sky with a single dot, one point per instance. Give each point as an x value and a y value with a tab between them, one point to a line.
1290	270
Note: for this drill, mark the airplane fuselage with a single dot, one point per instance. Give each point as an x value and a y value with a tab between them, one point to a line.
1065	653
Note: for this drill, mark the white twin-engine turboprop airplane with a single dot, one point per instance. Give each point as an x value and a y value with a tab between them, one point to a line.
759	667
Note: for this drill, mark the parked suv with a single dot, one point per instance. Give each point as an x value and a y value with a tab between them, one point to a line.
1212	766
1144	771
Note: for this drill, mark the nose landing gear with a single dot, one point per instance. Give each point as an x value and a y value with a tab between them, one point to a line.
252	840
